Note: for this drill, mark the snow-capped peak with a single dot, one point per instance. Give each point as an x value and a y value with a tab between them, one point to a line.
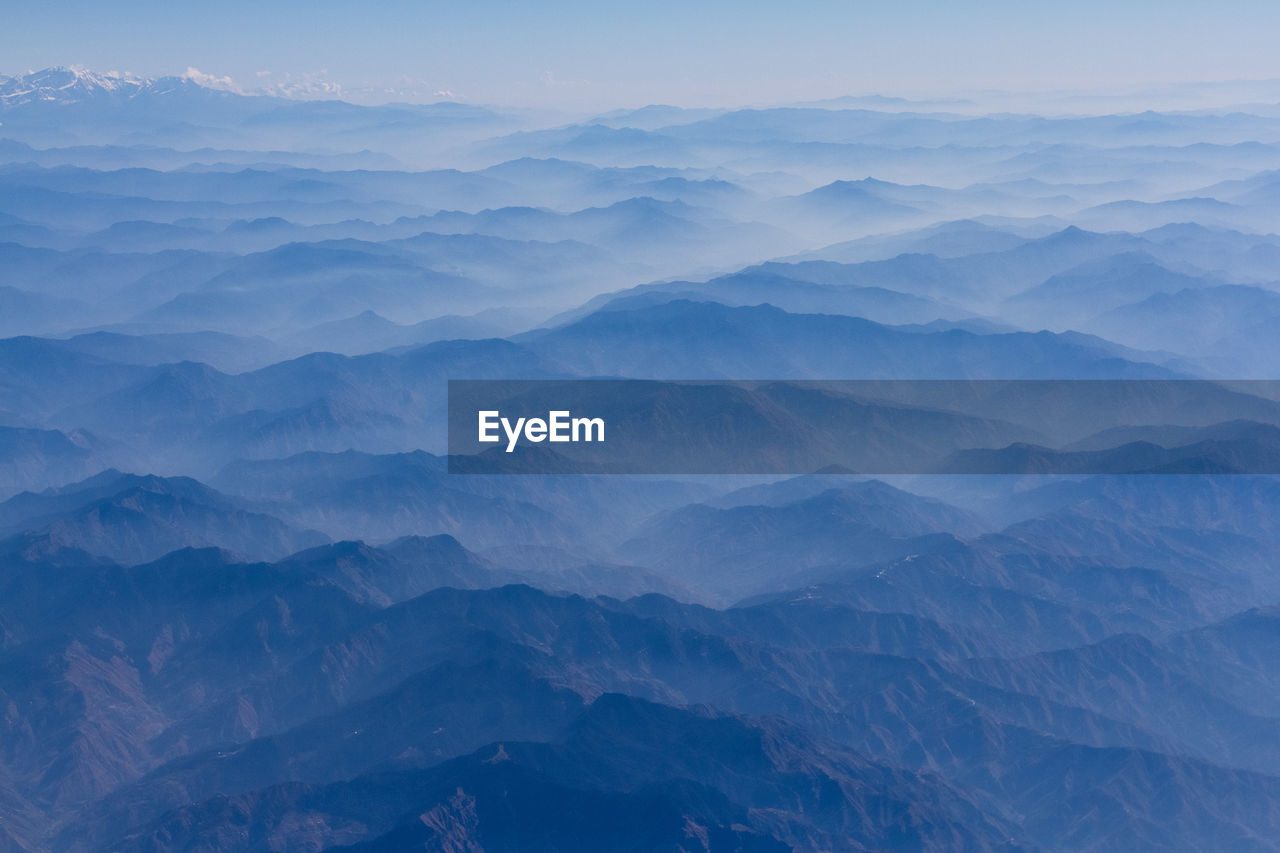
74	84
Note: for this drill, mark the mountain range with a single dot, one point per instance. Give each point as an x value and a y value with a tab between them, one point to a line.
250	601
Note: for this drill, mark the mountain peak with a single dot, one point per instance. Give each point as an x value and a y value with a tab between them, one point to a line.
68	84
65	85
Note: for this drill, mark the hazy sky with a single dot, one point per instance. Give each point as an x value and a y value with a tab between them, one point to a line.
580	54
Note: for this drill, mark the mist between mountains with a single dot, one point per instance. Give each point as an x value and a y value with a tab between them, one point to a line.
882	427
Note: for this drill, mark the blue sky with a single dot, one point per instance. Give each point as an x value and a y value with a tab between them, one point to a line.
579	54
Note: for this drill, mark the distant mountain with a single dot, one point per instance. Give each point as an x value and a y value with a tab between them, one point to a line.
1020	595
68	86
1142	215
842	206
1242	448
591	143
190	414
1226	654
228	353
949	239
978	281
1110	519
40	376
78	85
654	116
370	332
33	457
108	156
707	340
24	312
327	402
566	185
1234	504
1252	350
629	229
134	519
1213	323
1071	299
382	498
67	108
743	550
301	285
1231	255
787	287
